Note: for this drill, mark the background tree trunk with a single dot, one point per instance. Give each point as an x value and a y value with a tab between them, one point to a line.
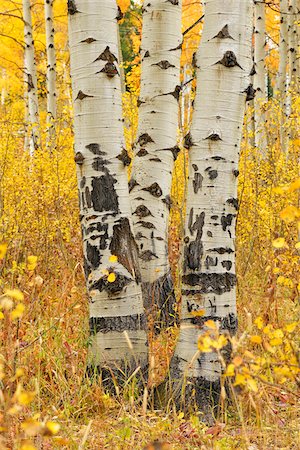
51	70
110	252
31	78
156	150
209	280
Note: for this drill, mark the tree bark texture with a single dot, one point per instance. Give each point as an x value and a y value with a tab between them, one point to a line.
31	78
51	68
156	150
209	279
117	320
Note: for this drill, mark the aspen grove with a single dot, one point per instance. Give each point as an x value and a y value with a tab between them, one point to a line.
150	224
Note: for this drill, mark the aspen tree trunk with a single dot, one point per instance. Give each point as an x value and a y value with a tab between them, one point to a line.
209	279
283	50
110	252
293	42
31	78
51	69
156	150
259	79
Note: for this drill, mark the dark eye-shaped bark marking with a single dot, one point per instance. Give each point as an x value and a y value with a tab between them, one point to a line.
226	221
250	91
110	70
221	250
233	202
148	255
72	8
81	95
211	262
197	182
194	251
79	158
253	71
148	225
132	183
93	255
227	264
144	139
88	40
216	283
174	2
213	174
174	150
107	55
124	157
229	60
147	54
188	141
154	190
223	34
236	172
142	211
164	64
95	148
214	136
142	152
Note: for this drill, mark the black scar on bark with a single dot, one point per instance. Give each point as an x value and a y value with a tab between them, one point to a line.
218	158
164	64
116	287
110	70
194	251
124	247
175	93
124	157
99	164
147	54
120	15
174	2
148	225
233	202
213	174
216	283
107	55
104	196
160	302
88	40
100	228
154	190
188	141
168	201
211	262
229	60
134	322
195	167
209	234
253	71
88	197
223	34
132	183
144	139
155	159
250	91
197	182
81	95
226	221
79	158
236	172
95	149
72	8
174	150
214	137
93	255
221	250
142	152
82	182
227	264
142	211
86	267
147	255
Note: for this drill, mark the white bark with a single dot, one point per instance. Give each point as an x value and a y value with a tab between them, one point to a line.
51	68
156	147
209	279
115	305
283	50
293	17
31	78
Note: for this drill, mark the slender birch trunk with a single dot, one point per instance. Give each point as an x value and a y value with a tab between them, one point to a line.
283	50
51	70
259	79
293	42
209	278
110	252
156	150
31	78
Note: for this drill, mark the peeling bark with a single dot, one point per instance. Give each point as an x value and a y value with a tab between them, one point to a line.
156	150
209	280
110	251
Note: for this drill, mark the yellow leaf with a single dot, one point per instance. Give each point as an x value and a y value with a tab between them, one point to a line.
230	370
259	322
275	341
211	324
276	270
17	313
205	344
279	243
291	327
220	342
52	428
111	277
113	258
124	5
295	185
3	250
289	214
31	262
252	385
237	361
297	246
198	313
25	398
15	293
28	446
239	379
1	315
255	339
